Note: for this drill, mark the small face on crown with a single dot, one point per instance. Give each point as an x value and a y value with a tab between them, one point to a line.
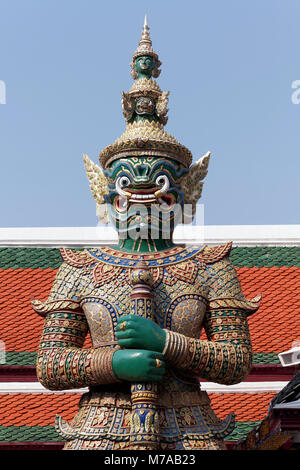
144	105
144	66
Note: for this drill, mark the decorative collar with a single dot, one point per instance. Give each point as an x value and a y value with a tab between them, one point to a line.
173	255
178	254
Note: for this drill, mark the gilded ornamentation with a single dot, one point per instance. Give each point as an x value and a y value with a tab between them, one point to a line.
148	137
78	258
144	423
101	318
145	50
127	106
162	107
192	183
103	272
98	186
186	270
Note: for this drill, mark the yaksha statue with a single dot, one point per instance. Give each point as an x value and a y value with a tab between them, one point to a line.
145	300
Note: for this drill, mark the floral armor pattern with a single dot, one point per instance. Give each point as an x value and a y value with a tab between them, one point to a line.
194	288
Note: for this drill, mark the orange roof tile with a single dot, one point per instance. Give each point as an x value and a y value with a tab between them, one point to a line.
277	322
20	326
246	406
19	409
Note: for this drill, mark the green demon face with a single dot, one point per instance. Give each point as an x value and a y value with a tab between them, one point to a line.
145	195
144	66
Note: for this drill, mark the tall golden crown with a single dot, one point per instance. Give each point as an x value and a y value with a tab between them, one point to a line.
145	134
145	48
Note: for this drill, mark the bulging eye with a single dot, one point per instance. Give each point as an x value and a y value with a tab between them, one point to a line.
124	181
161	180
121	183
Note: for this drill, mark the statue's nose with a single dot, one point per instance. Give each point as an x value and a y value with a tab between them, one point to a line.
142	177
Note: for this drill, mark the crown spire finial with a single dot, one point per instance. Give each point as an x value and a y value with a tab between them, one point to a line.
145	49
145	111
145	34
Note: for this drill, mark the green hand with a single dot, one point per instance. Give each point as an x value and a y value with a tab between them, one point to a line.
137	365
140	333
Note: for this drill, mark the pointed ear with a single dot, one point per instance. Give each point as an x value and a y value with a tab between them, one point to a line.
192	183
98	186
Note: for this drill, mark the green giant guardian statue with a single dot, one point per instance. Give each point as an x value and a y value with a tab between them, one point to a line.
145	300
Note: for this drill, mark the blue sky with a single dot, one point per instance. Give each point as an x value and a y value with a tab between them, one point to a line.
229	66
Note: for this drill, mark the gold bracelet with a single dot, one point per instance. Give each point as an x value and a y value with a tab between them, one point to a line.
176	349
101	366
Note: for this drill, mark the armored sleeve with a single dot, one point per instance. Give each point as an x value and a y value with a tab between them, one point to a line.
62	362
226	356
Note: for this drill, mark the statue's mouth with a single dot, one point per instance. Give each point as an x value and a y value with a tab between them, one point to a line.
142	196
165	201
154	196
158	194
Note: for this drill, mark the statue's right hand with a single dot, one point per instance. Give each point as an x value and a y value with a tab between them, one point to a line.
138	365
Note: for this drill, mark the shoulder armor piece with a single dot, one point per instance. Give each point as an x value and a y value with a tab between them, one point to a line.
211	254
249	306
75	258
42	308
101	273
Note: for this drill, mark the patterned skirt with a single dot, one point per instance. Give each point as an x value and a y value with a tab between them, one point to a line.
186	422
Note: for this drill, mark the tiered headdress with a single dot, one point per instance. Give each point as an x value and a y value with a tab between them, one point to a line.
145	111
145	49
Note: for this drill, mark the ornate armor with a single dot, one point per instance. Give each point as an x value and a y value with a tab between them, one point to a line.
146	358
193	289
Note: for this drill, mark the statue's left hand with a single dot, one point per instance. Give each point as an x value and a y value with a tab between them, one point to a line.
140	333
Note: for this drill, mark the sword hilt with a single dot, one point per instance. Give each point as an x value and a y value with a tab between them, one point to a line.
144	424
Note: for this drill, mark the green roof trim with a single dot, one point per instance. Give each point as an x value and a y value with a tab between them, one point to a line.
262	358
28	434
20	358
241	430
33	258
25	358
265	256
48	433
50	258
